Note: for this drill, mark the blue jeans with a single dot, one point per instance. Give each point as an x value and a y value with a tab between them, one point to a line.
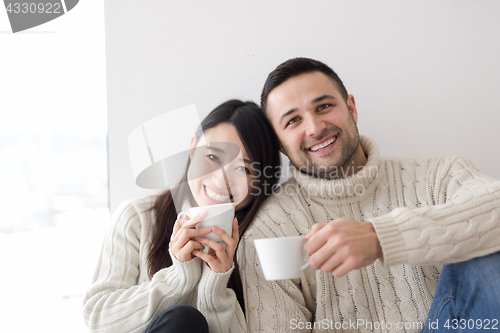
467	297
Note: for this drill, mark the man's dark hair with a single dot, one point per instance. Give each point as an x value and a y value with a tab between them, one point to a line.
295	67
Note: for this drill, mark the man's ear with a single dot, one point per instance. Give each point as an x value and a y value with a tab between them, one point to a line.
351	104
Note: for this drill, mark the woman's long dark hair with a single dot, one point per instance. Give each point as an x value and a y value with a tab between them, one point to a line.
261	144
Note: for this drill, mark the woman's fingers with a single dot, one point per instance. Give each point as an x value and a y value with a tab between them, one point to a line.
236	232
183	236
225	237
195	220
182	242
217	247
182	224
210	260
217	263
177	226
231	242
185	253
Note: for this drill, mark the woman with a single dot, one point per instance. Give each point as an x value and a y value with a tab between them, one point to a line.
152	265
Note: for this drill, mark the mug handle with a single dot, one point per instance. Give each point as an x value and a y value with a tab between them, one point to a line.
181	215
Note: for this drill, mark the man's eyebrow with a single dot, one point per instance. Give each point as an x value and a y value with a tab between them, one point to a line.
320	98
286	114
314	101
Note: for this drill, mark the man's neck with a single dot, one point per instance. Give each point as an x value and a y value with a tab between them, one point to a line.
350	168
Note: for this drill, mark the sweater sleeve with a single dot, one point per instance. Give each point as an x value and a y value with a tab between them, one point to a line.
218	303
463	222
270	306
117	301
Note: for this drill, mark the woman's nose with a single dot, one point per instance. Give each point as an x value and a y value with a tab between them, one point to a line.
217	178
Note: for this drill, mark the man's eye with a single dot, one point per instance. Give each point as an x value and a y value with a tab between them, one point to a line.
291	121
323	107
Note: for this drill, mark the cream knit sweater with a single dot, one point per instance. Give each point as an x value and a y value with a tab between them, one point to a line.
426	212
123	299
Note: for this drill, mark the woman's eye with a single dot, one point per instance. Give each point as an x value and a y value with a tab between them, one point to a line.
213	158
243	169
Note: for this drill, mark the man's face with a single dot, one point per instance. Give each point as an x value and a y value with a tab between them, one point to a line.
316	127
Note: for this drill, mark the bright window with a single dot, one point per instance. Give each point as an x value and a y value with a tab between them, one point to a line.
53	167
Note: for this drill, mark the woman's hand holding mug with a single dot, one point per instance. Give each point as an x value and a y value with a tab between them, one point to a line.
218	258
183	240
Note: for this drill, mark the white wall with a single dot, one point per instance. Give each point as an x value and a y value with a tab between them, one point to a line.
425	74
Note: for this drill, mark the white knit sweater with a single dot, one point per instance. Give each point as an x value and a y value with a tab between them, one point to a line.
426	212
123	299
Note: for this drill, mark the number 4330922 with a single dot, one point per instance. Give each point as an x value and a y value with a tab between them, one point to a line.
32	8
484	324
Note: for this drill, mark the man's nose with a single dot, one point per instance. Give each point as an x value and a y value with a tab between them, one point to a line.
314	125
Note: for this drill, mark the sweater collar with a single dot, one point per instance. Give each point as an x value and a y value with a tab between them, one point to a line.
353	186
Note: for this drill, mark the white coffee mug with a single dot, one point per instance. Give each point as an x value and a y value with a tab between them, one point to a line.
282	257
221	216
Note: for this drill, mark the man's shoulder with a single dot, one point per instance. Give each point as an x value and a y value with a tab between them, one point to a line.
423	162
428	171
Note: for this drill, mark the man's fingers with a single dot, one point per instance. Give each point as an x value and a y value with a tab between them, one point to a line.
320	256
344	268
331	263
315	229
318	239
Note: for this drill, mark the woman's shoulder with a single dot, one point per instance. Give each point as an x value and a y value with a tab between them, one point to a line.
135	205
134	212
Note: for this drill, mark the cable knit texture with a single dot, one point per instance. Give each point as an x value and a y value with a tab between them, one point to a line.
123	299
426	212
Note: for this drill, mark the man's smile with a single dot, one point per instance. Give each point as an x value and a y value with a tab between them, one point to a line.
323	146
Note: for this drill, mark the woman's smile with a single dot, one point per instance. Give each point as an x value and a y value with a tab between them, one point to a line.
215	196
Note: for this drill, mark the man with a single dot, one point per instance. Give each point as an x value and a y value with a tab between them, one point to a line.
378	230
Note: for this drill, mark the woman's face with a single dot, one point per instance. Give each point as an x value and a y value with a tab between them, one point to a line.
220	147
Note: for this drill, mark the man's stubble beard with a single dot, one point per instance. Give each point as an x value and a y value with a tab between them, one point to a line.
349	142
